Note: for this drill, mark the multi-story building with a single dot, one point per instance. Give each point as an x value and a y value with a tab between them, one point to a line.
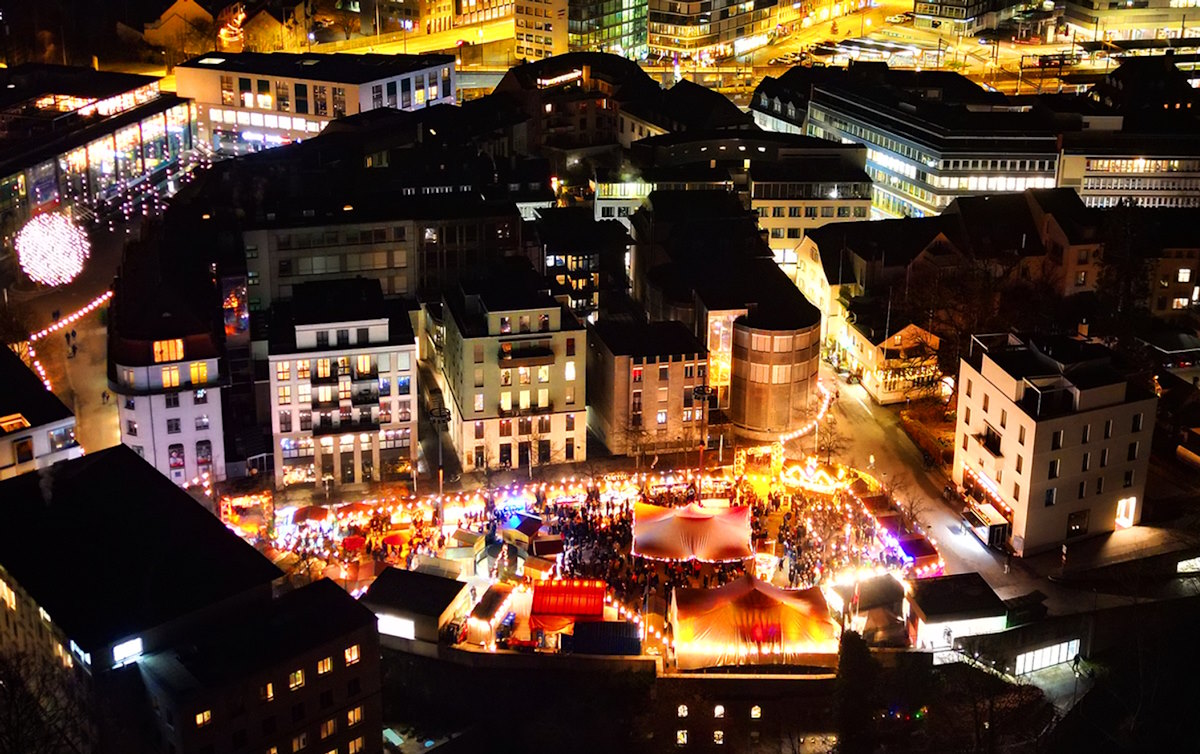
965	17
641	380
248	101
166	372
36	429
228	687
76	137
1052	441
343	380
606	26
513	364
1148	19
933	136
409	246
685	107
540	28
76	624
792	198
585	260
471	12
1150	170
708	30
895	361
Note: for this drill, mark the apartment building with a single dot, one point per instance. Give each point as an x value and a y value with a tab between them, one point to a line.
249	101
641	381
608	26
37	430
513	366
708	30
166	370
343	381
1052	442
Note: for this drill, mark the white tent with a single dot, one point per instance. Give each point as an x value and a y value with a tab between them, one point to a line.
691	532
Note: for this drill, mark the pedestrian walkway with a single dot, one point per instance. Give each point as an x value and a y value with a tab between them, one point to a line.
81	380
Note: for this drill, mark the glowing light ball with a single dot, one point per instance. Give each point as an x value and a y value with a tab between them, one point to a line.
52	249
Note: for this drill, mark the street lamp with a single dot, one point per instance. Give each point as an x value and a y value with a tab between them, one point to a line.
702	394
440	418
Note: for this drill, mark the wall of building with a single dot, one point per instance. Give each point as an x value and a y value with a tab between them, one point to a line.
774	378
541	28
38	447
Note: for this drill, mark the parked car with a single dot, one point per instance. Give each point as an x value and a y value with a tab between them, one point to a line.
899	18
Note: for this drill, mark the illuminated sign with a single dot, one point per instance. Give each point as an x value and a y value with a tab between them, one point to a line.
745	44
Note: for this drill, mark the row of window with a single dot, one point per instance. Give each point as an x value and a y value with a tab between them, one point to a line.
218	117
523	399
1051	496
258	93
304	447
525	448
524	426
345	392
176	458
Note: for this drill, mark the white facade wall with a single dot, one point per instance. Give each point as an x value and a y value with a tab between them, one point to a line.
385	426
1099	454
169	425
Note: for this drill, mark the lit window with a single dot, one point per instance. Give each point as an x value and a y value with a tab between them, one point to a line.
328	728
569	371
299	742
755	712
296	680
718	737
268	692
356	746
170	376
719	711
1184	276
302	369
681	711
681	737
168	350
203	718
284	395
199	373
324	666
354	717
352	654
363	364
127	651
662	417
283	370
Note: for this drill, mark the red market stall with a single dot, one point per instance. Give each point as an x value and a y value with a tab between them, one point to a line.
692	532
557	605
751	622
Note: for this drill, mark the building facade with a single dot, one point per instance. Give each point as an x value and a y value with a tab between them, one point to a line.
921	156
166	370
641	381
616	26
1052	442
708	30
514	368
343	382
541	28
37	430
249	101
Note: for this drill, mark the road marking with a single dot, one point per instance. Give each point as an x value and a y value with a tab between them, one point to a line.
861	402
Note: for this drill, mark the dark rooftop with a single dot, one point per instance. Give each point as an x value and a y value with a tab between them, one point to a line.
413	592
687	106
262	636
878	591
110	547
334	67
757	284
333	301
647	339
25	394
575	230
824	169
997	225
895	242
27	80
958	597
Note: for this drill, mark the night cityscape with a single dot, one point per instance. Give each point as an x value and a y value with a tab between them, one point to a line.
396	376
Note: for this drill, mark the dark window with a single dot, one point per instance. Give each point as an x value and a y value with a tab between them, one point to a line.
301	99
172	400
353	686
323	339
391	94
1051	496
268	726
1077	523
239	738
297	712
364	335
326	699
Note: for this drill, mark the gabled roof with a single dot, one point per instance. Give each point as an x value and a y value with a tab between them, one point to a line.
997	225
892	242
111	548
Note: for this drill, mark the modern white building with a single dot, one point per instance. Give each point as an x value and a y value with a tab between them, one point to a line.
249	100
343	382
36	428
1052	442
513	364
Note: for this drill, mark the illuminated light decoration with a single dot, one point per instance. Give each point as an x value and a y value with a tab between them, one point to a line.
72	318
560	79
52	249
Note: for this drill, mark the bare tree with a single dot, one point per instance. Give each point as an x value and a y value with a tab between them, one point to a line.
831	440
42	707
912	507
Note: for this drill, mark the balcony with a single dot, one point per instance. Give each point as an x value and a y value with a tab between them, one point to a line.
990	440
527	356
317	403
531	411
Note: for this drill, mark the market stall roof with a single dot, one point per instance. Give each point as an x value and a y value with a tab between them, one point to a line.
749	621
878	591
493	599
413	592
580	599
692	532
